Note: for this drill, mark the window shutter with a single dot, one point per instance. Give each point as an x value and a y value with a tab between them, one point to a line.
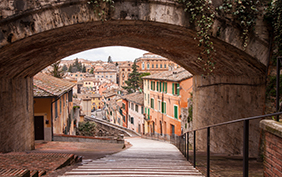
157	86
165	87
172	88
177	89
175	112
151	85
162	107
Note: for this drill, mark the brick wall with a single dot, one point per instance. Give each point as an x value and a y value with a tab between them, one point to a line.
272	148
272	155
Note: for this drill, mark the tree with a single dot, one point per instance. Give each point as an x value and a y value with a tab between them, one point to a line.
65	68
83	69
110	59
133	82
92	71
56	70
70	69
141	81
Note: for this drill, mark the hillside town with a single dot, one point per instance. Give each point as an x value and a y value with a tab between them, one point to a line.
100	90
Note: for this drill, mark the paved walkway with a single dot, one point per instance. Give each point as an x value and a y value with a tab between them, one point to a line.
144	158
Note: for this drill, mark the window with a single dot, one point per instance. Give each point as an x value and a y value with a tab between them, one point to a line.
128	69
159	105
143	65
161	66
156	65
111	113
111	76
152	85
152	103
123	106
132	106
70	96
175	88
148	84
56	109
136	108
148	99
165	87
148	65
106	76
142	110
122	69
176	111
132	120
152	65
60	105
164	65
164	107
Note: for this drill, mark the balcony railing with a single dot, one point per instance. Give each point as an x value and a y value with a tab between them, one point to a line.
182	142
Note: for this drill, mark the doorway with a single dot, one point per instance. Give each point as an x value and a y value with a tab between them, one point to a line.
39	127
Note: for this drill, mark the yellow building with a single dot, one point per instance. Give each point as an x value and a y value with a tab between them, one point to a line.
53	107
96	101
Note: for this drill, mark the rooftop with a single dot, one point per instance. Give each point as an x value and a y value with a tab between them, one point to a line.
45	85
175	75
136	97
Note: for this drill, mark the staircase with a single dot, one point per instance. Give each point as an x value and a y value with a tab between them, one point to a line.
145	158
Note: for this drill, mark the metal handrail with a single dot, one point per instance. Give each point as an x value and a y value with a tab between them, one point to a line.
185	150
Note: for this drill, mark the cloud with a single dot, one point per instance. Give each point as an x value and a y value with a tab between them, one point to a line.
117	53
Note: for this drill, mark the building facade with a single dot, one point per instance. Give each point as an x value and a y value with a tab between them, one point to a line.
124	71
106	74
164	96
152	63
135	103
53	107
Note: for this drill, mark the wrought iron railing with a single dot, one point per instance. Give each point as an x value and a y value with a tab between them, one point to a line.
182	142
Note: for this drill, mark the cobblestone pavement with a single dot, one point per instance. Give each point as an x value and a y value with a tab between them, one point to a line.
144	158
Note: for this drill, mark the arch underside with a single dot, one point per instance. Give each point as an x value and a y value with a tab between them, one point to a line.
26	57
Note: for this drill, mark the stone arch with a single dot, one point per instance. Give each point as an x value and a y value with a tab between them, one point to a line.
37	35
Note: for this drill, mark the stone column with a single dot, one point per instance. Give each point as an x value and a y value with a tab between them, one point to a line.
16	114
218	99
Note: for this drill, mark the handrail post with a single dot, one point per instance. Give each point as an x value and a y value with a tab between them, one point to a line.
278	85
187	139
208	151
185	151
246	149
194	149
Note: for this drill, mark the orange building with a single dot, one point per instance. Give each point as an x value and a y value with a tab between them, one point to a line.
152	63
164	95
53	107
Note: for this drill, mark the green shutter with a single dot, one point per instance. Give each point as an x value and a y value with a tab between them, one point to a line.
145	110
175	112
148	113
151	85
163	107
177	88
165	87
173	88
157	86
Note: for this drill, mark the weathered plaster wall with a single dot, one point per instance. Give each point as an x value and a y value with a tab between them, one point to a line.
16	114
220	99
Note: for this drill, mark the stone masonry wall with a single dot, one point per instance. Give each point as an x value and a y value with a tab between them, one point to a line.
16	115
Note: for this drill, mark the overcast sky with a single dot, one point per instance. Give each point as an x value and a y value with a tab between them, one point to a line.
117	53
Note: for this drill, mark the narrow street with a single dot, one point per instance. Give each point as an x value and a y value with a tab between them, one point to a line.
144	158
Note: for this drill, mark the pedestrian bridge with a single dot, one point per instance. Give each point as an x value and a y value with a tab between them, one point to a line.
35	34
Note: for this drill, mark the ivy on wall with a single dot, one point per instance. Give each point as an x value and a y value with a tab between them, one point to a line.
102	8
202	15
244	14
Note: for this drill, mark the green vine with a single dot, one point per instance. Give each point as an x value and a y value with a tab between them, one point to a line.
244	13
103	8
202	15
274	18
